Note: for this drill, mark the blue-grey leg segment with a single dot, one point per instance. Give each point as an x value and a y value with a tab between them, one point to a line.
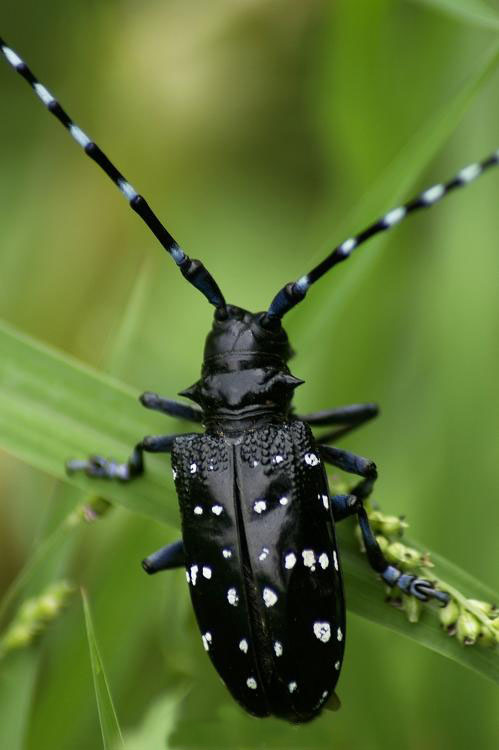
166	558
172	408
344	506
102	468
350	462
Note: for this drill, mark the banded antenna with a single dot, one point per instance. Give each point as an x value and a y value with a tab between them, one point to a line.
293	293
193	270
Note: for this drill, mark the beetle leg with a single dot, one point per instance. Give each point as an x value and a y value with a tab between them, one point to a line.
344	506
172	408
350	462
171	556
353	414
102	468
349	417
348	505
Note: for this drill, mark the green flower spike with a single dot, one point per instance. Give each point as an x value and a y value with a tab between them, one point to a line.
34	615
470	620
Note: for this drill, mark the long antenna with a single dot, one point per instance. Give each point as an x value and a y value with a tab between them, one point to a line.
193	270
293	293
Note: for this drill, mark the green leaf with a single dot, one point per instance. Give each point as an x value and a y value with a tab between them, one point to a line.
473	12
53	408
365	597
111	732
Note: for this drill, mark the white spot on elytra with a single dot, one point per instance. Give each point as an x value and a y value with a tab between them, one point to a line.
292	687
339	634
206	571
216	509
79	136
337	665
251	683
323	561
277	459
335	560
469	173
233	597
12	57
193	468
309	559
346	247
263	554
174	474
325	501
194	574
198	510
311	459
227	553
393	217
260	506
290	560
283	500
278	648
269	597
243	645
44	94
254	464
433	194
322	631
207	639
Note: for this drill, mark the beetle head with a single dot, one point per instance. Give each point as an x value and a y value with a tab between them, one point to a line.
239	341
244	366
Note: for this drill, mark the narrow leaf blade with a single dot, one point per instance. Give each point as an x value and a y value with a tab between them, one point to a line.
111	732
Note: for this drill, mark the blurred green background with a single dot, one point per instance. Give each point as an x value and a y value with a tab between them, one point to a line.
262	133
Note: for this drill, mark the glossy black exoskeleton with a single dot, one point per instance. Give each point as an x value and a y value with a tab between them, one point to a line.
258	542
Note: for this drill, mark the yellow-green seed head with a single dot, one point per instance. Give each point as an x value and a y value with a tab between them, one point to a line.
468	628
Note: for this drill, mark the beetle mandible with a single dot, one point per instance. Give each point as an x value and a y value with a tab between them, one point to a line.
258	541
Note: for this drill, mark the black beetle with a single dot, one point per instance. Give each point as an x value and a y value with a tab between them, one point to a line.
257	516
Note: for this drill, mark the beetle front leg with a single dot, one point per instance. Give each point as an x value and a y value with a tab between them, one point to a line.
102	468
170	407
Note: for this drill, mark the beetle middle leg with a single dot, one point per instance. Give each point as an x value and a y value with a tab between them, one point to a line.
347	417
344	506
103	468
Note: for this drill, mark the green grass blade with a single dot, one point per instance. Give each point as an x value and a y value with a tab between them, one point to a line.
365	597
473	12
53	408
111	732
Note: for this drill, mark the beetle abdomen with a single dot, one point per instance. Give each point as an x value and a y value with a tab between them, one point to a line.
263	567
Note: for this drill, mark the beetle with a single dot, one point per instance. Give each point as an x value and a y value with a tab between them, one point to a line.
258	542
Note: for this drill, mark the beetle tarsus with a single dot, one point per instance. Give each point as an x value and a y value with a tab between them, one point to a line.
98	467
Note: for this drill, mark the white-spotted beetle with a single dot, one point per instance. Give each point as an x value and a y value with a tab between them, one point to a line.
258	518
